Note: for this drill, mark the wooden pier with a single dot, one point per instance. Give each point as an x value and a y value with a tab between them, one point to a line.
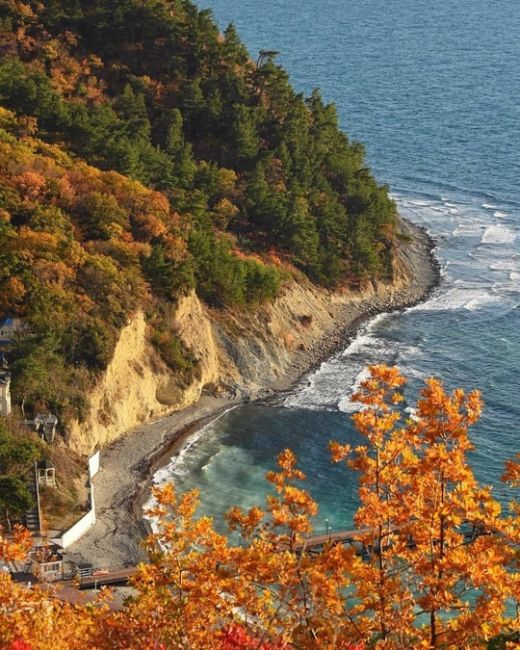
358	538
317	542
99	579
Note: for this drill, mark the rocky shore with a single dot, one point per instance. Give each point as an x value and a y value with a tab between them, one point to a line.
128	464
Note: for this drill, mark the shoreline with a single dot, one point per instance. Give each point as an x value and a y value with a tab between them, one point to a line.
128	465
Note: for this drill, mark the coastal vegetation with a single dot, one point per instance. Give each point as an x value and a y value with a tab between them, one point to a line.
143	155
19	450
435	563
148	160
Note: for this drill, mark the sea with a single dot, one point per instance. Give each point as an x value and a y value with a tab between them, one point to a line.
432	89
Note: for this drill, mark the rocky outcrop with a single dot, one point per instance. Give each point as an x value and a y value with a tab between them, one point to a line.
242	355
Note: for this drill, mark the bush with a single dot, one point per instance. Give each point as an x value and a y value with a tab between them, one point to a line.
173	352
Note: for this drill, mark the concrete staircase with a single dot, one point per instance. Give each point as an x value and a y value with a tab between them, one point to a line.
33	518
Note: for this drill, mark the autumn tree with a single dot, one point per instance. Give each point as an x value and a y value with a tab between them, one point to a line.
440	572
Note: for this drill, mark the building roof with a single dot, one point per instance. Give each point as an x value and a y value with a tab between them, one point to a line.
8	320
76	597
45	464
45	418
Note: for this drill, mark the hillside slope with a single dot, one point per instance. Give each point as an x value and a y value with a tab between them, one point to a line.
152	173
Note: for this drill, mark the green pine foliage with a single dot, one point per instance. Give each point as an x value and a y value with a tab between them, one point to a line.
152	90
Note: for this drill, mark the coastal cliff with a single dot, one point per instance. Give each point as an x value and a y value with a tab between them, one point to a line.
177	219
242	355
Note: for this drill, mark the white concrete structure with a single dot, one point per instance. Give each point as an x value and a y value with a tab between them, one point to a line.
5	394
93	464
77	531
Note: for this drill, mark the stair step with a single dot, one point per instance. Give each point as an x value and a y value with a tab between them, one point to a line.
32	516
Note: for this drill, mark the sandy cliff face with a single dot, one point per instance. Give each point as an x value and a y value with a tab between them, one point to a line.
240	355
138	386
237	355
195	328
258	351
126	393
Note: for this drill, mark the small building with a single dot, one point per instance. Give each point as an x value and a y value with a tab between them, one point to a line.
5	393
9	326
46	473
47	563
83	570
45	425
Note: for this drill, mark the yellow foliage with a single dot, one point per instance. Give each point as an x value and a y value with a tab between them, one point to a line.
434	565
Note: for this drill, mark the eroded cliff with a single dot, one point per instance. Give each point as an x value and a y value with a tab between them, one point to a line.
241	355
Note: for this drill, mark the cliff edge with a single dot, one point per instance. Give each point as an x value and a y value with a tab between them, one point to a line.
244	355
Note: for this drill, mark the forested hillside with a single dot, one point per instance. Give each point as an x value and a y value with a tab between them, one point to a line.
143	154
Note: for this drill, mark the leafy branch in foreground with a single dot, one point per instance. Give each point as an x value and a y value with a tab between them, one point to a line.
434	563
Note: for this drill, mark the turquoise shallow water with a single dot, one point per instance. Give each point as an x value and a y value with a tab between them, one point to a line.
432	90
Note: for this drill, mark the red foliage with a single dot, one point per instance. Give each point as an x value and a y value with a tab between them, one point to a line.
19	644
236	638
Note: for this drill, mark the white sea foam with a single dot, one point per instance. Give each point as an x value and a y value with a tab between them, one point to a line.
418	203
482	301
176	464
498	234
411	372
503	265
469	230
332	385
489	206
450	208
162	475
326	387
499	214
346	405
177	461
459	298
514	276
322	390
412	412
364	344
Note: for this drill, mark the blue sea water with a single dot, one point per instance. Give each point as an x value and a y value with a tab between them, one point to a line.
433	91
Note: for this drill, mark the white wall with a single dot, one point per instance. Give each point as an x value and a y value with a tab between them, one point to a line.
77	530
93	464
